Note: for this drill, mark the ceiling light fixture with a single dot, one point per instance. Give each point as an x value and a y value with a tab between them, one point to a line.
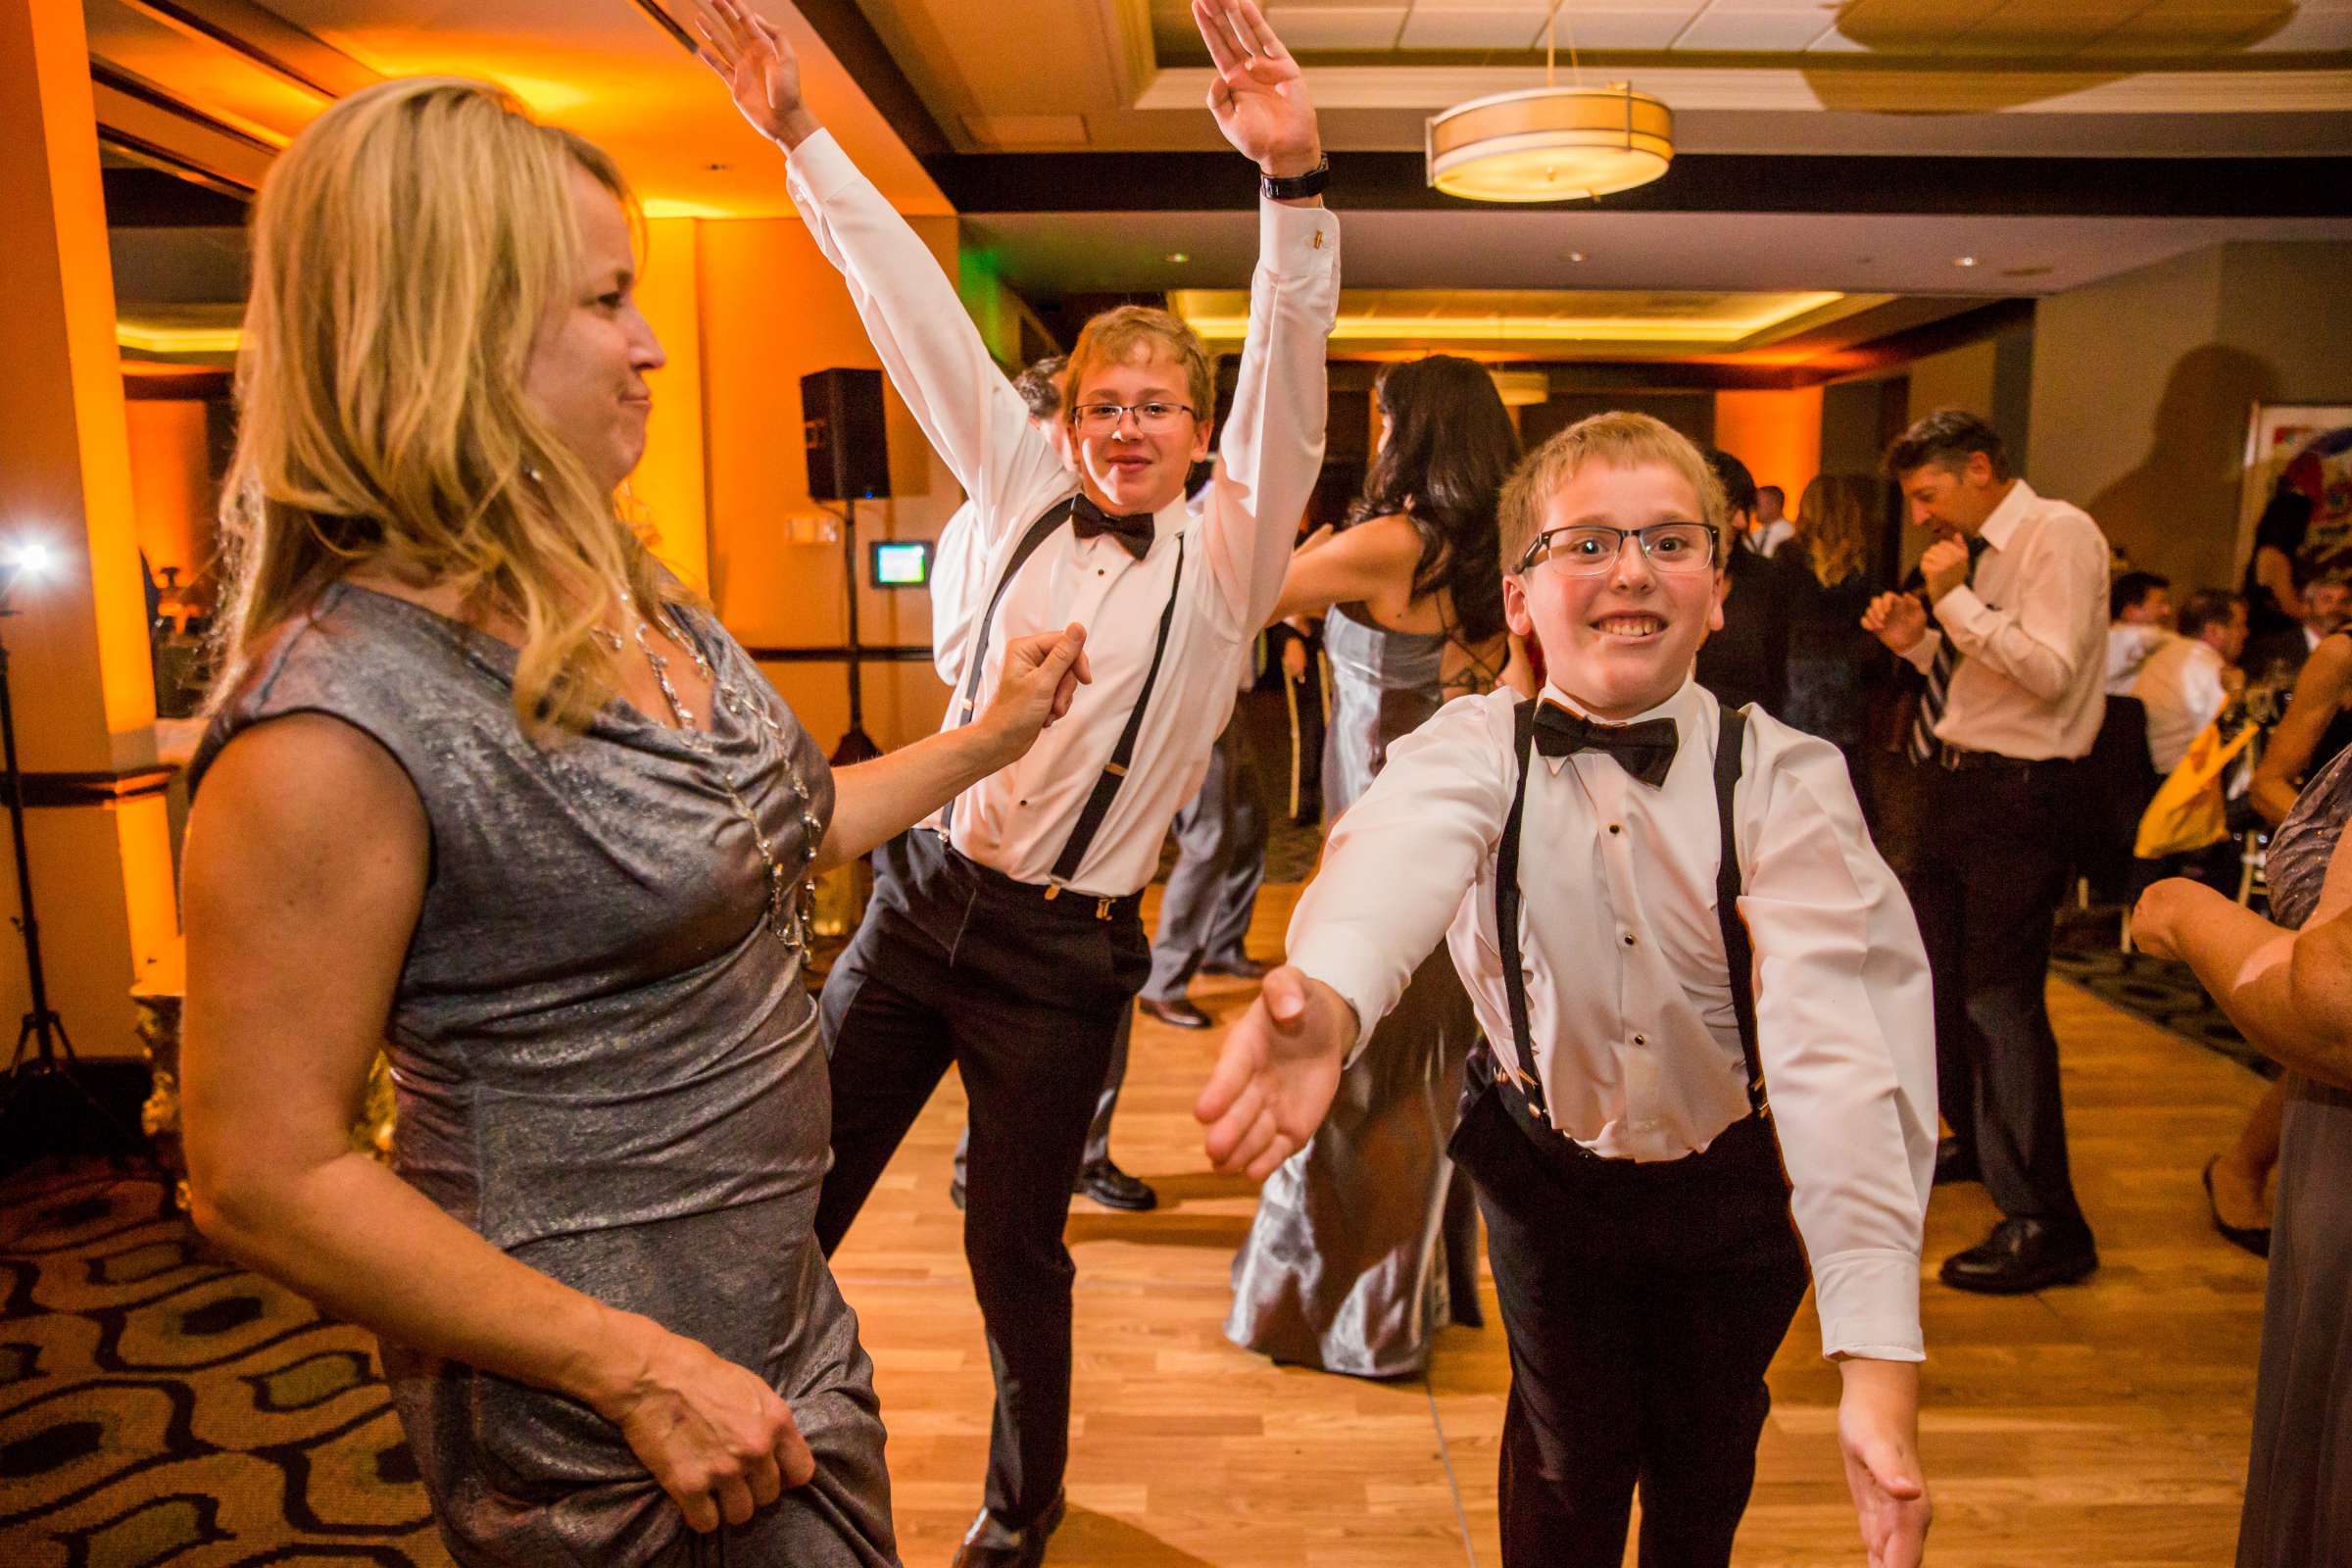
1550	143
1964	260
1179	258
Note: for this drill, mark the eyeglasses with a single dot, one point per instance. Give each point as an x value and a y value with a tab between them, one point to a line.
1588	550
1147	415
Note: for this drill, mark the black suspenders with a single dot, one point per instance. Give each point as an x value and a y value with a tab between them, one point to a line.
1115	772
1738	956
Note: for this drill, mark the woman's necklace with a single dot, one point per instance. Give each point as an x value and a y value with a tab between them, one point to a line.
789	891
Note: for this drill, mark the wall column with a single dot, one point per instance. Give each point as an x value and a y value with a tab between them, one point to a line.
82	680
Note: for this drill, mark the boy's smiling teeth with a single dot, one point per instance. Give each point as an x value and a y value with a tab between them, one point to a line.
1628	625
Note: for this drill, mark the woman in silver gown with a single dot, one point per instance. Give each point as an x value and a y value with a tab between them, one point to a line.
2292	997
1364	1245
484	786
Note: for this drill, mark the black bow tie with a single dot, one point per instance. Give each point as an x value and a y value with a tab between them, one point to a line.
1135	532
1645	749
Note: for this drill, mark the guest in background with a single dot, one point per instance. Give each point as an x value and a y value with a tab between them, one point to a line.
1365	1242
1771	527
2013	702
1747	660
959	558
2140	619
1830	655
1211	891
2318	721
1295	663
2324	604
2288	988
2184	683
2276	569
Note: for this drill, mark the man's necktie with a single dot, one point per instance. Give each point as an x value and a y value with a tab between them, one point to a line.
1939	677
1134	532
1645	749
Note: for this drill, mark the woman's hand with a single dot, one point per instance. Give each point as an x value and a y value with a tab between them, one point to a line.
1259	96
715	1436
1042	673
2157	919
1878	1431
759	70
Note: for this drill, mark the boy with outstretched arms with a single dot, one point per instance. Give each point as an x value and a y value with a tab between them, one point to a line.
1003	936
1693	971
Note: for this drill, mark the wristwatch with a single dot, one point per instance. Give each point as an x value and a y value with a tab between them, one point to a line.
1296	187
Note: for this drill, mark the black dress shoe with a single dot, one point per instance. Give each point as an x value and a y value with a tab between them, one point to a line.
2255	1239
1244	968
1177	1015
993	1544
2023	1254
1954	1163
1114	1188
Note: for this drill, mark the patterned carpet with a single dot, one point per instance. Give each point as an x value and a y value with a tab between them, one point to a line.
161	1405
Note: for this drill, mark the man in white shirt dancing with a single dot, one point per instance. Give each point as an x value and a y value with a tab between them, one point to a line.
2015	664
1003	936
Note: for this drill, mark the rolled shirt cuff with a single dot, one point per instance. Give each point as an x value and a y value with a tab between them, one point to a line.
1869	1304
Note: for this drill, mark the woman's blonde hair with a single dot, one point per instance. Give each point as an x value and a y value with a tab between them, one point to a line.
1832	519
406	249
1615	440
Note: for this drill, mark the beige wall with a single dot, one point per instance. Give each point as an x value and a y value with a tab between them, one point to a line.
2142	383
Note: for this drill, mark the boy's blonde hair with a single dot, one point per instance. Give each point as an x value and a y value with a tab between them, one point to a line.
1117	333
406	249
1620	441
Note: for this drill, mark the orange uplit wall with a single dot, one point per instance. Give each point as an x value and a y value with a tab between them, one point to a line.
171	484
668	490
1777	434
772	310
83	688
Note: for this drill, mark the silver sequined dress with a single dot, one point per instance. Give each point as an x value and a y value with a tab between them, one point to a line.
607	1064
2298	1508
1365	1241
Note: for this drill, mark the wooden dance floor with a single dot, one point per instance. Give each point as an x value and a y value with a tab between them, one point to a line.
2101	1424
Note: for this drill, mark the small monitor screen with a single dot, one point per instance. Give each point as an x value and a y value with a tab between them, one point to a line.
901	564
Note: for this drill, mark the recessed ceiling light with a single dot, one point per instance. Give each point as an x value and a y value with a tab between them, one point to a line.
1179	257
1964	260
1574	256
719	168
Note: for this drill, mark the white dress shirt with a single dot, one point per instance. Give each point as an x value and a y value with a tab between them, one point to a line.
2181	686
957	562
2127	648
2031	626
1768	540
1236	546
1638	1051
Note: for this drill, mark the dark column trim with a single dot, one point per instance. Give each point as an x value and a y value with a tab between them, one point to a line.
103	789
978	184
199	386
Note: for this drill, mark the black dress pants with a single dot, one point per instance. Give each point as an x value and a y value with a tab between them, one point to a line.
1644	1303
1986	869
956	964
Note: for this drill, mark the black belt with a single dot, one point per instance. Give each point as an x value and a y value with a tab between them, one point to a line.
1055	900
1960	760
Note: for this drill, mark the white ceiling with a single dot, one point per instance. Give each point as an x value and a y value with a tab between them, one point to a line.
2055	30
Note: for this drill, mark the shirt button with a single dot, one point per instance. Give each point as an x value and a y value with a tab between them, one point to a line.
1098	571
1641	1040
1629	939
1616	827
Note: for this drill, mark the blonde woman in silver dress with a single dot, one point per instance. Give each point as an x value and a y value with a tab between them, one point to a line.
486	788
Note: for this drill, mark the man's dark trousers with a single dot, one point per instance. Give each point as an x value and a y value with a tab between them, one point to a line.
1221	861
956	964
1985	865
1644	1303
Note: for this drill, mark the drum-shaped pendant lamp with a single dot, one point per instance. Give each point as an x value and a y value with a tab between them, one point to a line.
1550	144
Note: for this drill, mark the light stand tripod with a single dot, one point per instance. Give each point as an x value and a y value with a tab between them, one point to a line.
53	1063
